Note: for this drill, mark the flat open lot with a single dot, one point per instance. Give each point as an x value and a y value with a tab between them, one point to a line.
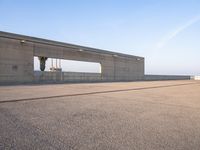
114	116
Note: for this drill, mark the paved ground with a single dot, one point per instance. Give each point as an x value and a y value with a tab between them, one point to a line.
114	116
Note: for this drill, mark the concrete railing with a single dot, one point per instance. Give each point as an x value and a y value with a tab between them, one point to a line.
165	77
48	76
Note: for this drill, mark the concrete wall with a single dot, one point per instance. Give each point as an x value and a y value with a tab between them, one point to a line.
165	77
47	76
16	61
17	52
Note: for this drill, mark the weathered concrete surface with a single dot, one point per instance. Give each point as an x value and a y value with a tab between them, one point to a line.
60	77
16	61
134	115
165	77
17	52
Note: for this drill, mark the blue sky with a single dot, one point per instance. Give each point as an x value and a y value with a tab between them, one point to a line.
165	32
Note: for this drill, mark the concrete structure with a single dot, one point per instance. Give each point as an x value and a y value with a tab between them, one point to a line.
17	53
165	77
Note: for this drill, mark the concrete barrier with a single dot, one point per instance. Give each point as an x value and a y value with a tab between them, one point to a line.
165	77
47	77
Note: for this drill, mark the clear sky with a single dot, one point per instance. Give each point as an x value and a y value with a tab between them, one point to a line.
165	32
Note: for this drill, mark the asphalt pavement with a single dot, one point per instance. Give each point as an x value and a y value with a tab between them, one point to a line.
101	116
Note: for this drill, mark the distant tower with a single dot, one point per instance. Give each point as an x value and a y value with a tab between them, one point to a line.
57	64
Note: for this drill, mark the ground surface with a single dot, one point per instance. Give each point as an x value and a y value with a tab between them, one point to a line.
114	116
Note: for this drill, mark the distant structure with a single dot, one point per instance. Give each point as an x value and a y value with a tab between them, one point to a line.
56	67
